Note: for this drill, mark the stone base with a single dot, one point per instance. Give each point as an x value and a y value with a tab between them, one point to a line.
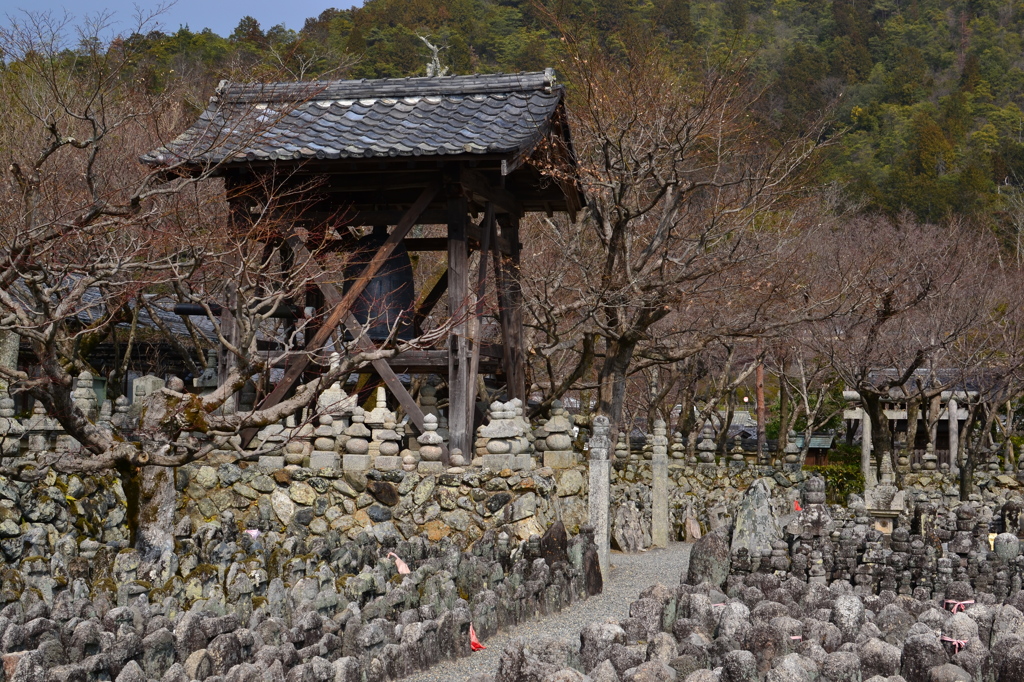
430	467
560	459
523	462
324	460
498	462
791	467
271	463
387	463
737	465
356	462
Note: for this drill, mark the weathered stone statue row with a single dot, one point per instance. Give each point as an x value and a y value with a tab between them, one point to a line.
240	606
763	628
817	594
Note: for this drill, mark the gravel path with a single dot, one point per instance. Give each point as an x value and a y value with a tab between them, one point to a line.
630	575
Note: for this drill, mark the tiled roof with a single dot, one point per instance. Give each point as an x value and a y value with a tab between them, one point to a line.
490	114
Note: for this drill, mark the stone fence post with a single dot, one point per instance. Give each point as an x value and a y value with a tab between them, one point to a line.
659	487
600	490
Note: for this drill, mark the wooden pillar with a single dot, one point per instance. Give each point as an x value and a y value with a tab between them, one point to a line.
510	300
460	415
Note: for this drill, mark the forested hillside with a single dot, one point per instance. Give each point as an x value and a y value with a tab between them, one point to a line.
926	92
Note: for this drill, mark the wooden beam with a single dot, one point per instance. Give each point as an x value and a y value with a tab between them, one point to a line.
459	407
370	217
476	183
343	308
435	362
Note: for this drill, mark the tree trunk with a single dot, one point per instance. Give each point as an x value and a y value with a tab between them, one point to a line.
913	411
611	389
785	409
881	435
156	502
723	434
762	412
968	455
934	408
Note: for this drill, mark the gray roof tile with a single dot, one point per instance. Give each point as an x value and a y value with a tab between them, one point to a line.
501	113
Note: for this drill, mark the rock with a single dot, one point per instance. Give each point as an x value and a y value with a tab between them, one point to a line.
793	668
739	666
848	616
921	653
283	506
243	672
949	673
569	483
384	492
131	672
627	531
207	477
554	544
346	669
596	639
567	675
28	667
879	658
518	664
1007	546
841	666
524	507
605	672
497	501
652	671
224	652
302	493
704	676
158	652
709	560
199	665
176	673
756	527
378	514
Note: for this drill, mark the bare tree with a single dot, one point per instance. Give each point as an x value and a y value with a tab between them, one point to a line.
684	195
79	215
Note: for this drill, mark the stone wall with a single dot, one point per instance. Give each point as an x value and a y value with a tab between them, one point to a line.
232	604
462	502
705	494
36	517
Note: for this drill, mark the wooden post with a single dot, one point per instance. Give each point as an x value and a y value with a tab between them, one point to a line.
481	291
460	421
226	360
506	271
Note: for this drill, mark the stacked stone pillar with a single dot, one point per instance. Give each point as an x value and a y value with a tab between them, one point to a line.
600	490
659	486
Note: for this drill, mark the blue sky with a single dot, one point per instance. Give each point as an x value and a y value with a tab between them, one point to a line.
220	15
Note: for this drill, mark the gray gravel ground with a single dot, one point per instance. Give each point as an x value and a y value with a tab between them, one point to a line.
630	575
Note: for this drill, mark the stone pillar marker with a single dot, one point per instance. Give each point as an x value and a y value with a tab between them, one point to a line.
952	414
866	465
600	490
659	487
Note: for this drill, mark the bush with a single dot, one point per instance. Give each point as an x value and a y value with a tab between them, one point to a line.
841	453
841	479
